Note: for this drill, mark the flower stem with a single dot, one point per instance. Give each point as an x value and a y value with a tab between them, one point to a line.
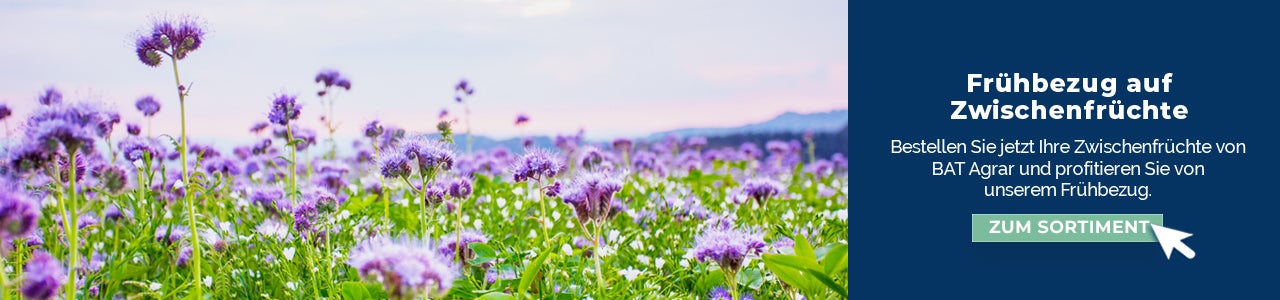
186	180
73	234
598	254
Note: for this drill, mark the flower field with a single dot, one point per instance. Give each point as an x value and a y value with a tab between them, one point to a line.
91	212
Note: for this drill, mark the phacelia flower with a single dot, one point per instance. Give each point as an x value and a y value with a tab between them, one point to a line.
431	155
727	247
373	129
148	105
521	119
330	78
696	142
137	148
395	164
622	145
761	189
405	267
720	293
460	188
50	96
591	195
5	112
73	126
172	38
449	244
19	214
43	276
133	129
591	157
537	164
284	108
463	90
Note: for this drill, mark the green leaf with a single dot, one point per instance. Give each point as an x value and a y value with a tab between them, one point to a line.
831	284
837	260
803	249
751	278
352	290
532	271
788	274
496	296
484	253
709	281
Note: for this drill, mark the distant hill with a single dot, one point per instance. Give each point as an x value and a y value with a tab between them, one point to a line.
789	122
830	128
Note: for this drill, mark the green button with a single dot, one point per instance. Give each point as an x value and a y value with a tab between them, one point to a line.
1065	227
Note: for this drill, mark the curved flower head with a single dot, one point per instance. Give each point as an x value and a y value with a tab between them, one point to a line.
761	189
622	145
591	195
404	266
697	142
5	111
449	244
172	37
394	164
727	247
537	164
373	129
330	78
147	105
43	276
73	126
18	214
591	157
720	293
521	119
431	155
460	188
463	90
284	108
133	128
50	96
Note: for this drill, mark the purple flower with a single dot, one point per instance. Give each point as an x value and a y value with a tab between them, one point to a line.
727	247
173	38
395	164
18	214
5	112
50	96
521	119
28	157
778	147
591	196
137	148
431	155
591	157
449	244
373	130
271	198
720	293
284	109
74	126
405	267
622	145
259	127
459	188
171	234
133	129
148	105
537	164
462	90
761	189
43	276
112	178
330	78
184	257
696	142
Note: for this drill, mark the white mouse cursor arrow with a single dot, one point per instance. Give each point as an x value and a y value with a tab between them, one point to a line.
1172	239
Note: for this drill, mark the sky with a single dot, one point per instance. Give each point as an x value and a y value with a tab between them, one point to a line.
612	68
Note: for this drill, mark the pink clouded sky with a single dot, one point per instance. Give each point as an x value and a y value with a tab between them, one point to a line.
614	68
